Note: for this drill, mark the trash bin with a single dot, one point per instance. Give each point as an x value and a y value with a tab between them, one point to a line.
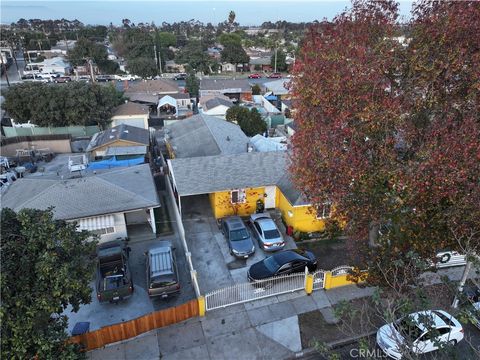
289	230
81	328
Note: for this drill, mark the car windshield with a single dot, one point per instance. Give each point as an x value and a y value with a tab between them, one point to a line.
408	329
271	264
272	234
237	235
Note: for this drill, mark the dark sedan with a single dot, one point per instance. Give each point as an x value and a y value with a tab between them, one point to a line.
282	263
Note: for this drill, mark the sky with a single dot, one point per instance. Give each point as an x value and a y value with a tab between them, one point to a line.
248	12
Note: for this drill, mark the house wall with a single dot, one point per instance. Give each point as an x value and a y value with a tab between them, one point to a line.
222	206
303	218
100	151
136	217
246	96
140	121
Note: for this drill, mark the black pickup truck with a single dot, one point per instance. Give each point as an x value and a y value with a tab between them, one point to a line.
114	280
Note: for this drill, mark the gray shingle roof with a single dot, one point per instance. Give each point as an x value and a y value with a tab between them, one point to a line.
204	135
110	192
222	84
131	108
294	196
212	103
120	132
278	87
203	175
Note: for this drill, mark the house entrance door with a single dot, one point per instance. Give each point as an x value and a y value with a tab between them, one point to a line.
270	197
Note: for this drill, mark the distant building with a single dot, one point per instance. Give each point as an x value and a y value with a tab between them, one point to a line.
235	90
132	114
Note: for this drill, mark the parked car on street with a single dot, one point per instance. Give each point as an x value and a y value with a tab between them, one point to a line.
128	77
255	76
419	333
238	237
181	76
114	280
162	272
275	76
62	79
282	263
266	232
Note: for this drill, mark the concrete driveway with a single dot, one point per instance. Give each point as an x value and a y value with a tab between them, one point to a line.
139	304
211	258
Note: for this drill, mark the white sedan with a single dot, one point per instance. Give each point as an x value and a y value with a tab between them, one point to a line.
419	333
266	232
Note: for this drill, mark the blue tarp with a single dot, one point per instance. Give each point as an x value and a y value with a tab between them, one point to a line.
271	97
115	161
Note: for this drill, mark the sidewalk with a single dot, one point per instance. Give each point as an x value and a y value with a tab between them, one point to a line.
261	329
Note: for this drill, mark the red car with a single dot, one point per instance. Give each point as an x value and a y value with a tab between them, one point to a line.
275	76
254	76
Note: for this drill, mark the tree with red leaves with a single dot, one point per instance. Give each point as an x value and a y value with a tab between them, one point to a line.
388	130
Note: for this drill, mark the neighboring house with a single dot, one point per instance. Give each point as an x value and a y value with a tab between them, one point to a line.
104	203
260	64
149	91
172	66
264	144
291	127
234	184
278	87
204	135
216	106
228	67
177	105
234	89
132	114
123	136
53	65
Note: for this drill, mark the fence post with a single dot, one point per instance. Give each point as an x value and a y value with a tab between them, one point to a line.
201	305
309	283
328	280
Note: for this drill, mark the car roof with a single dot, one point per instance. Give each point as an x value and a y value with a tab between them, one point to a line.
234	222
285	256
436	316
161	260
267	224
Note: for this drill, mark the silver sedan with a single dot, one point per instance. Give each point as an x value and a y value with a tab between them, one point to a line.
266	232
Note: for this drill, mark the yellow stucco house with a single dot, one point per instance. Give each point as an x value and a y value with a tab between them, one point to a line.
234	183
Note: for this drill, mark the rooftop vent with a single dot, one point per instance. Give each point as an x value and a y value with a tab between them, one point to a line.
228	138
125	131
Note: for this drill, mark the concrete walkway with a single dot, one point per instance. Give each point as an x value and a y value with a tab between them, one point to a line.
262	329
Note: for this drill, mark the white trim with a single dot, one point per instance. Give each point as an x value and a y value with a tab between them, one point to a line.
241	196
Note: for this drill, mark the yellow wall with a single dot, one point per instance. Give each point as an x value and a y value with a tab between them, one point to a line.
222	206
117	143
304	217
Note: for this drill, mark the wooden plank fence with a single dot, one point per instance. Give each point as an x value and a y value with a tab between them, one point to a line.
130	329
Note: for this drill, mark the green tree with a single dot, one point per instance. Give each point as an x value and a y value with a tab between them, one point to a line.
235	54
166	39
229	38
194	54
144	67
252	124
84	49
71	104
256	90
236	114
192	84
281	64
46	265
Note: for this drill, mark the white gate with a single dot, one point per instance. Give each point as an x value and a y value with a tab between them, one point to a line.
241	293
318	279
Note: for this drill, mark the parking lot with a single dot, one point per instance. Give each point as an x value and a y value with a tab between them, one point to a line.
211	258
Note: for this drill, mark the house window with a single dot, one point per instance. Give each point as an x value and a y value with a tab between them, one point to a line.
238	196
324	210
103	231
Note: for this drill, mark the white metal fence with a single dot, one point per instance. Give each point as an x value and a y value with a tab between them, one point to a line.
241	293
319	279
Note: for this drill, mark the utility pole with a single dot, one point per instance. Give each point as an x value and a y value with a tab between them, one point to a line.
156	57
275	59
92	75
